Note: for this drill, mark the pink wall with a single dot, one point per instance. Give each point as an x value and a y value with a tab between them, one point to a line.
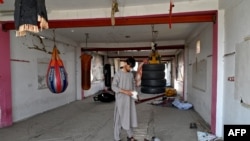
5	80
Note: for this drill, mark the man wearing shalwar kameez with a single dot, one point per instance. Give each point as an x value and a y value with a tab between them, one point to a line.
125	115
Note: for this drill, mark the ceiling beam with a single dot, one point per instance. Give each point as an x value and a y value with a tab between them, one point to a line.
133	48
187	17
169	56
141	60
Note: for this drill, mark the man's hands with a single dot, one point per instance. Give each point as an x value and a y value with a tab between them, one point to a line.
127	92
133	94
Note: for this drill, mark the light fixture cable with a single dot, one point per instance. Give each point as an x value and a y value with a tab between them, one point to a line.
86	40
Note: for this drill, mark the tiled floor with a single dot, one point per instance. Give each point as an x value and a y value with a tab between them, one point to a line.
90	120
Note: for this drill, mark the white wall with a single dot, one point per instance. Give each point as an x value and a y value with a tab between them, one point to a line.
28	99
199	91
237	27
179	72
220	75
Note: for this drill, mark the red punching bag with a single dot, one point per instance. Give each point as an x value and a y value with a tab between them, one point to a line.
86	67
57	78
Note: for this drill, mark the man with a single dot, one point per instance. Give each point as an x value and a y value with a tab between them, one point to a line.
125	115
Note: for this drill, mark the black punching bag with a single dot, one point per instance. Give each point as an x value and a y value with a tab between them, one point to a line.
107	75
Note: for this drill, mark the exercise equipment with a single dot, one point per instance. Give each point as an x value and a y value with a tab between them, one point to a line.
107	75
105	96
155	57
57	77
86	67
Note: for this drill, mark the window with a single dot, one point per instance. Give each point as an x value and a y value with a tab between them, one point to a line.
198	47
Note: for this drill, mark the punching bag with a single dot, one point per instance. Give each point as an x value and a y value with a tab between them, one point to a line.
107	75
86	67
57	77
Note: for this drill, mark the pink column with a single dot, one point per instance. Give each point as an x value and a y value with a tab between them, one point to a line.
5	80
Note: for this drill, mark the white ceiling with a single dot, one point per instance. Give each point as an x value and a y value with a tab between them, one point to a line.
126	34
116	34
89	4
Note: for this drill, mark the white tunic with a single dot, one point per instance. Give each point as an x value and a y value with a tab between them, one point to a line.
124	105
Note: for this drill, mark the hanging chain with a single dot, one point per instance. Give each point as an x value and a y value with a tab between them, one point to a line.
54	37
86	40
154	34
152	26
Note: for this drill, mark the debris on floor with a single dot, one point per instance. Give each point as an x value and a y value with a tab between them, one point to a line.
193	125
205	136
172	101
182	105
153	139
164	102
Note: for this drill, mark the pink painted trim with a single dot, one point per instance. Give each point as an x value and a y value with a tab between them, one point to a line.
214	76
5	80
186	17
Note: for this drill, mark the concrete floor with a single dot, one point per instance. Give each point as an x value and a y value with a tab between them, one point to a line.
90	120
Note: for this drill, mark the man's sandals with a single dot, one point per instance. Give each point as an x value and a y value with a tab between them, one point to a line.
131	139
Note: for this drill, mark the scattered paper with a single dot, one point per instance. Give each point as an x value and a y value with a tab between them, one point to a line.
204	136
